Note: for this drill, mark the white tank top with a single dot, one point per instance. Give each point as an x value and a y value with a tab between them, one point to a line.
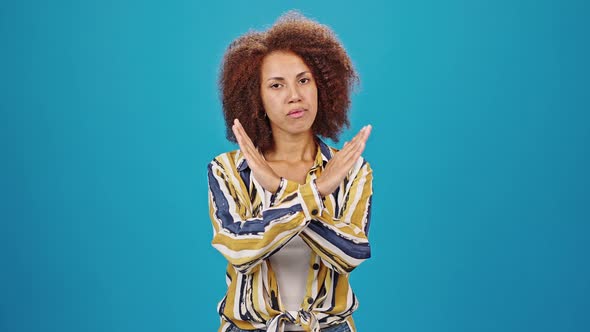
291	265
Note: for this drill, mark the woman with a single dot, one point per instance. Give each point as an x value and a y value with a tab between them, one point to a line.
289	213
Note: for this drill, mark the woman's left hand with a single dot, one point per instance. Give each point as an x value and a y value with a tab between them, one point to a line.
261	170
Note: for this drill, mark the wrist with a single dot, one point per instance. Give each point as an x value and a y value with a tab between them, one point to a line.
277	184
319	188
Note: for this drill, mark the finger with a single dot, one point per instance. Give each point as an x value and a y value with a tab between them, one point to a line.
238	136
361	148
244	147
353	144
243	132
351	151
363	143
353	157
247	140
236	129
347	164
346	153
341	156
364	134
348	145
368	131
362	138
252	154
358	135
353	160
355	152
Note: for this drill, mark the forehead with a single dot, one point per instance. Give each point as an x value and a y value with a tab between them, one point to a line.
282	64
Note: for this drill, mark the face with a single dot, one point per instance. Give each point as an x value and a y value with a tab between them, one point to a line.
289	93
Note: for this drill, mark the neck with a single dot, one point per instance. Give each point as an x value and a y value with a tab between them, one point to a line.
292	148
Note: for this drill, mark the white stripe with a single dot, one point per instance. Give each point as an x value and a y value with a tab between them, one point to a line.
245	253
260	288
365	214
228	197
237	302
314	283
335	250
359	193
349	299
281	191
329	284
353	172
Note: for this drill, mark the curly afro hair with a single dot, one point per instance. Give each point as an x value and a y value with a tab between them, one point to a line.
318	47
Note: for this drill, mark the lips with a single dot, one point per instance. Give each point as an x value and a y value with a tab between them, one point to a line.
296	113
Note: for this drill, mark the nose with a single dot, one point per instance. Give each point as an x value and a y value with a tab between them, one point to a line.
294	94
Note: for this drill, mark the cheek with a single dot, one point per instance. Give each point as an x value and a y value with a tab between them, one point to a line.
273	99
271	102
313	96
266	98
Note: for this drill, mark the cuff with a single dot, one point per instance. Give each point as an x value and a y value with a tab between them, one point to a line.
319	197
311	201
279	193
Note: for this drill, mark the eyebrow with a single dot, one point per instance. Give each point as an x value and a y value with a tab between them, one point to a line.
282	78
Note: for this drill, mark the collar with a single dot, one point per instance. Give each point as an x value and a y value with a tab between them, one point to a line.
323	155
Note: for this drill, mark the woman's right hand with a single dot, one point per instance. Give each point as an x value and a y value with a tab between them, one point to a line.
261	170
341	163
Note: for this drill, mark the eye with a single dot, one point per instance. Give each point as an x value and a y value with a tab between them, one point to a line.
304	80
275	85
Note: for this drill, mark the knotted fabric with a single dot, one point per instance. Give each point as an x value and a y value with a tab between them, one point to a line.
306	319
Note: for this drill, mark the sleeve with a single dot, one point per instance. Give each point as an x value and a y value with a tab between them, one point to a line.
342	240
245	241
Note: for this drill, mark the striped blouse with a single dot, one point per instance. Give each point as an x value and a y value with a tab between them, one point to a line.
250	224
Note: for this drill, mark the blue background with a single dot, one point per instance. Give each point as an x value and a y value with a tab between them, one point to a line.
110	114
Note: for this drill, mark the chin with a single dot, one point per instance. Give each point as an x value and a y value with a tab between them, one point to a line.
297	131
302	128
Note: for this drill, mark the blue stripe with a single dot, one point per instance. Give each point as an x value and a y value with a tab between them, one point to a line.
252	226
256	226
366	230
337	206
245	175
325	149
355	250
274	214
